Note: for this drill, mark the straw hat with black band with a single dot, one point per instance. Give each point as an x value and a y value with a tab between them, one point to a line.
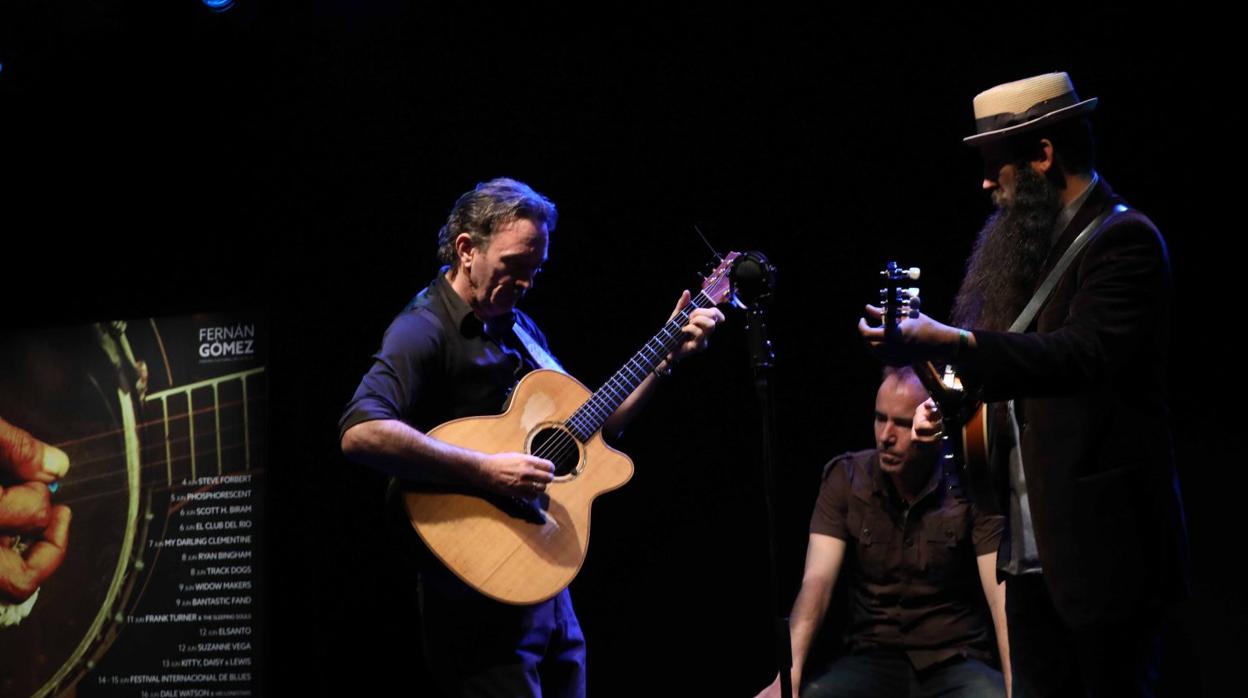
1025	105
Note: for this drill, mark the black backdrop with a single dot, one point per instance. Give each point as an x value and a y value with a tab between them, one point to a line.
300	158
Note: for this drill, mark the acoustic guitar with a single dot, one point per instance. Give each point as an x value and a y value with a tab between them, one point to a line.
526	551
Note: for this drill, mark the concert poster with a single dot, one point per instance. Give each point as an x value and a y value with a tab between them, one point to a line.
160	589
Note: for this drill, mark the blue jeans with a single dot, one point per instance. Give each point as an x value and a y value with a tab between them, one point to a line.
887	674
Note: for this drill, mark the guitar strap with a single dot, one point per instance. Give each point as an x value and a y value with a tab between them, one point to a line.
1023	321
536	350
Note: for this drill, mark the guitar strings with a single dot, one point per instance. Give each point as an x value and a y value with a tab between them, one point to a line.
158	420
162	463
567	445
564	445
172	420
167	444
156	445
94	495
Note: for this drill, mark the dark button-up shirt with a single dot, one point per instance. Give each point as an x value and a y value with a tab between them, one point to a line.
914	581
439	362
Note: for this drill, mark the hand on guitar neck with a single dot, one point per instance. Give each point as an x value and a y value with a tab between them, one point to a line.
918	338
897	333
697	333
694	339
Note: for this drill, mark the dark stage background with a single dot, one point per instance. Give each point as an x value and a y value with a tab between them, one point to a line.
300	157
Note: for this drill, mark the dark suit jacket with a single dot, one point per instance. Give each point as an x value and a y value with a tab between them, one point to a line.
1088	378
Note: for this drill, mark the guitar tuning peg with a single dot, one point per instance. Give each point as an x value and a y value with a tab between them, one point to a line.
913	273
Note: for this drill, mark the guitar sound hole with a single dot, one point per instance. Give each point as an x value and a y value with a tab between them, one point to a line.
557	446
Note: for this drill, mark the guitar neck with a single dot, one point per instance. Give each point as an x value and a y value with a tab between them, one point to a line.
589	418
931	379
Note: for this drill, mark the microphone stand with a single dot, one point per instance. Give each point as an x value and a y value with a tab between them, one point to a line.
753	284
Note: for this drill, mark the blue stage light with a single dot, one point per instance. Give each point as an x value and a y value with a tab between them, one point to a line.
218	5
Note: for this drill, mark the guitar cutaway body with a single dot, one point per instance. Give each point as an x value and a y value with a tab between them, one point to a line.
522	551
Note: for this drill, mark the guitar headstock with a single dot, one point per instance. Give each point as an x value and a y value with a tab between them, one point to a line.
718	284
899	299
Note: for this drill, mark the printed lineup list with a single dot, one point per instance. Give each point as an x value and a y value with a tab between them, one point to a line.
195	632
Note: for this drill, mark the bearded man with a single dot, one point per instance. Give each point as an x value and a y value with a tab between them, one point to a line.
1063	322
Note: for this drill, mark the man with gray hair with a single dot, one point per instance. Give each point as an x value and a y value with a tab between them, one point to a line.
456	351
1063	321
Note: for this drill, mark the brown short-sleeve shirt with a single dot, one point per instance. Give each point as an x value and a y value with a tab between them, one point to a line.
914	581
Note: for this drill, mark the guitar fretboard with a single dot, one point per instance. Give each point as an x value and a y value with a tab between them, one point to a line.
590	417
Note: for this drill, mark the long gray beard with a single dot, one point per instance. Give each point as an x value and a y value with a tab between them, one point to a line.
1009	253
